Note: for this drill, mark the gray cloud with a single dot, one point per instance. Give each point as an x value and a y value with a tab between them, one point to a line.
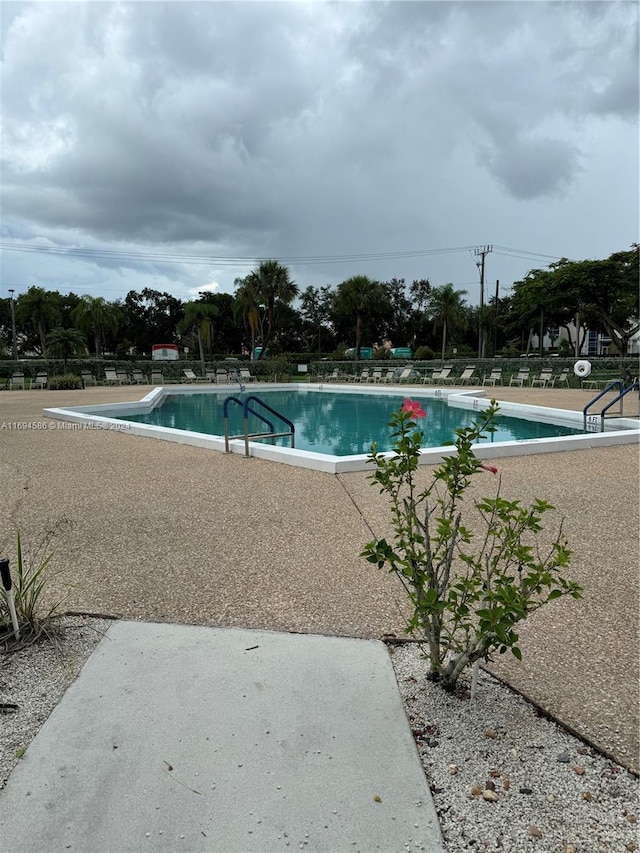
297	129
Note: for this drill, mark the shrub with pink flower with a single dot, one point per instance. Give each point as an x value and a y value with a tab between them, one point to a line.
466	601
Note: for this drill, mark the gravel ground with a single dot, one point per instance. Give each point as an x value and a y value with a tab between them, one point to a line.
505	777
164	532
502	776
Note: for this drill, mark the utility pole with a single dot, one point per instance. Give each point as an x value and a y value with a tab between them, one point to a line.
495	321
13	324
481	252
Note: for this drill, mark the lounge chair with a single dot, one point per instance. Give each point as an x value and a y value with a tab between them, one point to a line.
222	376
139	378
191	377
544	378
377	375
40	381
111	377
494	378
467	377
390	376
562	378
88	379
123	377
364	376
520	378
211	375
444	376
157	377
246	375
406	375
334	376
16	381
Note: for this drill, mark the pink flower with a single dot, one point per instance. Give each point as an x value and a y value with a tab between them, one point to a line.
490	468
414	408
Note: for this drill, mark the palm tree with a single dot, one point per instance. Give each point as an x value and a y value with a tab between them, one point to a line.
94	315
271	285
246	307
198	319
446	308
66	343
41	308
358	295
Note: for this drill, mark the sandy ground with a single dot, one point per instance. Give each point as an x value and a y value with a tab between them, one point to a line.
165	532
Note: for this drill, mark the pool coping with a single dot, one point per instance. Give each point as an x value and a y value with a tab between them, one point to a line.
619	430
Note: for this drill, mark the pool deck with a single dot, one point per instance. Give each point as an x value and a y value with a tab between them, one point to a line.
174	533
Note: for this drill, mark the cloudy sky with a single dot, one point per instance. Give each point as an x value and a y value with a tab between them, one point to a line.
172	145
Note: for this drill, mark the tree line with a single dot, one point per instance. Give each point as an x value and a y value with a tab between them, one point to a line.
268	310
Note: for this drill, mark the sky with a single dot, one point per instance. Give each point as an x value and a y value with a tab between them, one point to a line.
174	145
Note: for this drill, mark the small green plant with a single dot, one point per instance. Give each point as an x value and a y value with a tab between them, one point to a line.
64	382
31	577
466	601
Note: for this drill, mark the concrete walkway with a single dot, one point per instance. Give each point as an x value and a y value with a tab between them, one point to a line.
181	738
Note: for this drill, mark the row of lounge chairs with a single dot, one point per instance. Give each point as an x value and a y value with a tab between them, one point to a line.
220	376
445	376
18	381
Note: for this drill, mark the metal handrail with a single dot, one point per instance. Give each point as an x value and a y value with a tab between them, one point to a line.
617	383
635	386
246	409
225	416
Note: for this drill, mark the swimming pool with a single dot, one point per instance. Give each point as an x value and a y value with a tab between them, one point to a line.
336	424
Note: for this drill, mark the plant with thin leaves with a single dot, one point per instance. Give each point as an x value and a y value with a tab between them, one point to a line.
467	592
31	579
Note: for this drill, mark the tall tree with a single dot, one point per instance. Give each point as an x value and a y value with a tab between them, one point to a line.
150	317
446	308
65	344
95	316
247	309
198	320
41	309
397	325
358	297
272	286
315	308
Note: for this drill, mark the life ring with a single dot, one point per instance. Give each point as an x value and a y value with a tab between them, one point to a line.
582	369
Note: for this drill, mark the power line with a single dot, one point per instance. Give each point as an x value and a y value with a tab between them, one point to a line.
221	260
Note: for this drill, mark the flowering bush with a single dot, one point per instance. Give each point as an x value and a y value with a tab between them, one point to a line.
467	592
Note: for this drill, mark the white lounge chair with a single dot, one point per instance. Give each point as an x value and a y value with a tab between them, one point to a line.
246	375
444	376
40	381
406	375
544	378
494	378
190	376
111	377
520	378
467	377
16	381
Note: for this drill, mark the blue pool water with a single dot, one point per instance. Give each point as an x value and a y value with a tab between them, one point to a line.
339	424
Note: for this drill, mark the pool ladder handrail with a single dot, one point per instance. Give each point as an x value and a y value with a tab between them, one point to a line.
622	392
248	409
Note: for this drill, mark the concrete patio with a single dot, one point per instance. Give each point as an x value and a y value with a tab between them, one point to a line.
173	533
